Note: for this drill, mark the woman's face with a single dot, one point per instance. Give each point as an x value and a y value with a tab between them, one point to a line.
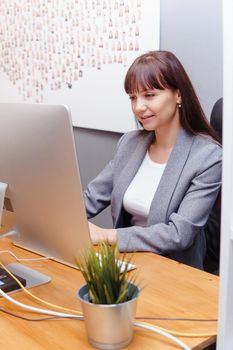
156	108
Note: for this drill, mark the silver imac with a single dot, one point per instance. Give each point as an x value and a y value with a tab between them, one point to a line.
39	164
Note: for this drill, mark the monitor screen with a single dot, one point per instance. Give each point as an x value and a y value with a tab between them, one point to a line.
38	162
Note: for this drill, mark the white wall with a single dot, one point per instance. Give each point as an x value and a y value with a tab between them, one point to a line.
193	31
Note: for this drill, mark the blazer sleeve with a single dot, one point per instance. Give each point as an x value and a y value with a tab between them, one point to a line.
98	192
97	195
179	232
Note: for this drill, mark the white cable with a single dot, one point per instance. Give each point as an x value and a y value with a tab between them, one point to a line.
61	314
25	259
38	310
9	233
159	331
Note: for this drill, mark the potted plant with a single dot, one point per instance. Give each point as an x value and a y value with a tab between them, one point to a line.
108	298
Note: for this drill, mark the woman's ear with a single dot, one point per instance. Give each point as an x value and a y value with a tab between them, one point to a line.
178	97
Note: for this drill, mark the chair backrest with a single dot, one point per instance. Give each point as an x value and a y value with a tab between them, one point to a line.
216	117
213	225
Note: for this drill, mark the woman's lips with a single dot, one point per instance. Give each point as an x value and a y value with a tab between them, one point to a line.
147	118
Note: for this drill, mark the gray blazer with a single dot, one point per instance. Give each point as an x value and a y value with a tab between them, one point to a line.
181	205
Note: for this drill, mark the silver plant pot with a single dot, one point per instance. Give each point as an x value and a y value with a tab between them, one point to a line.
108	327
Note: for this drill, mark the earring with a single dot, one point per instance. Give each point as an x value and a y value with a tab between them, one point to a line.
179	105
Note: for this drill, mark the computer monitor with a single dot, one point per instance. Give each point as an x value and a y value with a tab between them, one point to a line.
38	162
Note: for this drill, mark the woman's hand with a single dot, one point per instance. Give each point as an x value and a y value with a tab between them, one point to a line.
99	234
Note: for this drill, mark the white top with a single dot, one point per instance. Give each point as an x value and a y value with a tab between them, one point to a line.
138	197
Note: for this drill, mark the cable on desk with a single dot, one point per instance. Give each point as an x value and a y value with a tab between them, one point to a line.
181	334
48	318
35	297
80	313
28	318
39	310
48	312
147	326
24	259
176	319
161	332
55	317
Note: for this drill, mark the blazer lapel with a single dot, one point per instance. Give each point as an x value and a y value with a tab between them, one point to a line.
170	177
129	171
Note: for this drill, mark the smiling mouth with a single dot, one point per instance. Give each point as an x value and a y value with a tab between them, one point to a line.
147	117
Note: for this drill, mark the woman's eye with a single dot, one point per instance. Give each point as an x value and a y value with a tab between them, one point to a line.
150	95
132	98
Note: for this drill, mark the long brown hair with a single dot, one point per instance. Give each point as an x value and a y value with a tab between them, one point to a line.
161	70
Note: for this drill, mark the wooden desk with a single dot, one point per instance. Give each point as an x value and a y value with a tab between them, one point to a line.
170	290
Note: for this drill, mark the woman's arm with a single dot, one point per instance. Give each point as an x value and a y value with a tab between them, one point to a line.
98	193
99	234
97	196
182	227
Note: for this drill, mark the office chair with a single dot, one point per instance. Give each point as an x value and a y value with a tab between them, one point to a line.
216	117
213	225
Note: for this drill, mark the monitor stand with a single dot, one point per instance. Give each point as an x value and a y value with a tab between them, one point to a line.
33	278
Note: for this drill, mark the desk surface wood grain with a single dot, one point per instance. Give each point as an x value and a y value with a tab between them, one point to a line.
169	289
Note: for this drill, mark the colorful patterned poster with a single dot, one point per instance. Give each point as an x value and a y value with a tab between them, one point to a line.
75	52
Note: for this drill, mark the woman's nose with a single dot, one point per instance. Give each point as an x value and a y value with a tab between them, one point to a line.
140	104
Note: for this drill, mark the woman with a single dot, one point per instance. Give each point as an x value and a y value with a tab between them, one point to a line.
164	179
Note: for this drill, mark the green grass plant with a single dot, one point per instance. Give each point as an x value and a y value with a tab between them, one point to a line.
106	277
